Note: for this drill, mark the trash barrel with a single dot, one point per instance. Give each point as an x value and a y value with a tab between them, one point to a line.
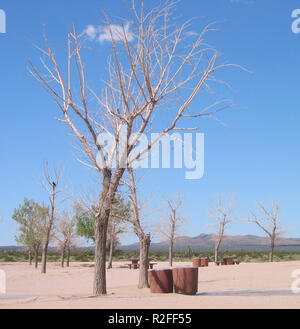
196	262
135	262
185	280
160	281
229	261
204	261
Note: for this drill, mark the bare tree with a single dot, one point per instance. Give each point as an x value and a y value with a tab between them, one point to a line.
146	72
169	227
71	241
65	236
267	220
112	236
135	220
116	227
51	183
222	214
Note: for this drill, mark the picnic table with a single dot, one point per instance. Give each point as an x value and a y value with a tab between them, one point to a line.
151	265
135	264
228	261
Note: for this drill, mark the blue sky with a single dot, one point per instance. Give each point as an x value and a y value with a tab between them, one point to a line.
255	157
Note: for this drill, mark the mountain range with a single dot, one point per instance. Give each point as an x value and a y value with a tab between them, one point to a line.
206	242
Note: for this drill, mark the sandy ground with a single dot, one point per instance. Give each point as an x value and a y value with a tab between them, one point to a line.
239	286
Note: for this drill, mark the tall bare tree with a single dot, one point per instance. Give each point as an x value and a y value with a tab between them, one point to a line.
168	228
135	218
146	72
221	212
144	238
112	239
116	227
267	220
51	183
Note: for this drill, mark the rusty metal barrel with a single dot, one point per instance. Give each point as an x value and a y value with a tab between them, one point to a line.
185	280
161	281
228	261
204	261
199	262
196	262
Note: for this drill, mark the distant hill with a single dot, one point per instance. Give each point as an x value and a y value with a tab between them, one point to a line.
206	242
51	249
11	248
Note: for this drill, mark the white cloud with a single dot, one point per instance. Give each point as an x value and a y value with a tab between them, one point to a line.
191	33
103	33
91	31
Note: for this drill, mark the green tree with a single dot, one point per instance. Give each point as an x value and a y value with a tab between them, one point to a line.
32	219
85	223
116	226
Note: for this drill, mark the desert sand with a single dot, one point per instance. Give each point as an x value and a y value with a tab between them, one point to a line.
249	285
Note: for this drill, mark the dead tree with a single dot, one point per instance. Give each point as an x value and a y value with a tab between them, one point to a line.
117	224
169	227
113	232
112	236
222	214
51	183
144	238
146	72
70	243
30	256
65	235
267	220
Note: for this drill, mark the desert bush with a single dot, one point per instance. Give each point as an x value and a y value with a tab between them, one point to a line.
87	255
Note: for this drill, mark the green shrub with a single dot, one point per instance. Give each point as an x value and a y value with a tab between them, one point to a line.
87	255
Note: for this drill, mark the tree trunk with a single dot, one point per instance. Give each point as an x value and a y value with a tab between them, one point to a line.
144	261
109	189
36	257
62	256
68	256
144	238
101	224
171	253
111	246
47	239
217	250
100	256
44	257
271	251
111	251
30	257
